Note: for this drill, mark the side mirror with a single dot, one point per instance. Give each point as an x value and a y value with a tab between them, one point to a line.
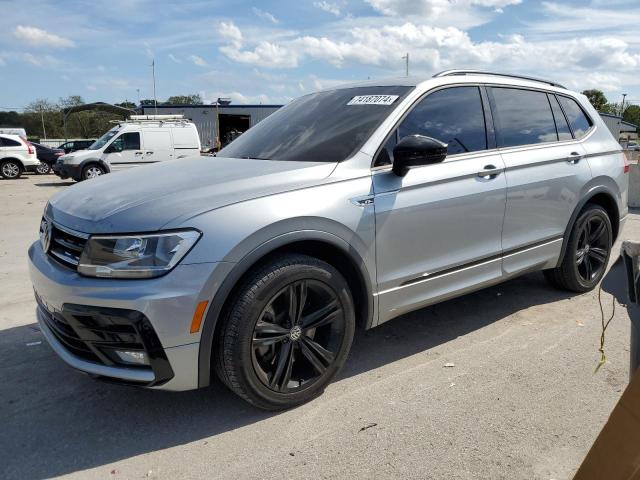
415	150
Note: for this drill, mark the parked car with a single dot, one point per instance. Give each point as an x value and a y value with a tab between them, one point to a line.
75	145
142	140
633	146
17	155
353	205
47	156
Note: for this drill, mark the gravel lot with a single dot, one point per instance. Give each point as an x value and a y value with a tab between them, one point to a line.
521	400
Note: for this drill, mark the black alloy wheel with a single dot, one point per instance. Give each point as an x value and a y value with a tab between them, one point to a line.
593	248
297	336
287	332
587	252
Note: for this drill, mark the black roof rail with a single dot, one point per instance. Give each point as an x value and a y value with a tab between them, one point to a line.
449	73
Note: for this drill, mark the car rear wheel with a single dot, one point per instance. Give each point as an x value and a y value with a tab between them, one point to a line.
92	170
10	169
43	168
287	333
587	254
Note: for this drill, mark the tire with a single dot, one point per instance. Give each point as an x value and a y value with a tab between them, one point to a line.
92	170
43	168
587	254
10	169
275	355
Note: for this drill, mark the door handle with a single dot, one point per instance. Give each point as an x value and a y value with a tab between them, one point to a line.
138	153
489	173
149	153
574	157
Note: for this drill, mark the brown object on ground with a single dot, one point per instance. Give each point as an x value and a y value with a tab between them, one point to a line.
615	455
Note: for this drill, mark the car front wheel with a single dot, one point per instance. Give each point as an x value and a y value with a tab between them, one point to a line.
92	170
287	333
10	169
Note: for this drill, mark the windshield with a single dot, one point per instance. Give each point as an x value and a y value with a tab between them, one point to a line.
322	127
103	140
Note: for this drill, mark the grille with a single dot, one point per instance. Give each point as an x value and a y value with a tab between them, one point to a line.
66	246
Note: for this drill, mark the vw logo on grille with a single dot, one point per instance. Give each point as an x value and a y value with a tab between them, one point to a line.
45	234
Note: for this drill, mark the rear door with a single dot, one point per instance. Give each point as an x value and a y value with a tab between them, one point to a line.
125	151
158	145
438	228
545	173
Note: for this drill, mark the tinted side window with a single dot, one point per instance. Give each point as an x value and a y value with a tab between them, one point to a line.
127	141
564	133
453	116
523	117
579	122
7	142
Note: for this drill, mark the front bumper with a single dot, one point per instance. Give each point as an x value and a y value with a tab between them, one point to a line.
166	304
66	170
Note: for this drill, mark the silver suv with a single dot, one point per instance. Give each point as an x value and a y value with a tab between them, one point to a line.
347	207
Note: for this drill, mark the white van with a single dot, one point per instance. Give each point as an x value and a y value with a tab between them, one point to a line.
141	140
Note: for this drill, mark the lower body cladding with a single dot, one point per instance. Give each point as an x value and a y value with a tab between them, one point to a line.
128	331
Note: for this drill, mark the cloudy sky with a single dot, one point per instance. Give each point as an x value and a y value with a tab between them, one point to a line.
273	51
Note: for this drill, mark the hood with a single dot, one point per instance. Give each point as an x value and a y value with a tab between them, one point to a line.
148	198
81	154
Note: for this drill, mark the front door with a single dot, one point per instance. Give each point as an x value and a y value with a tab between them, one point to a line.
438	229
124	152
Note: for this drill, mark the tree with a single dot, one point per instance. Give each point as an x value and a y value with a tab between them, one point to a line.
71	101
597	99
193	99
632	114
126	104
147	102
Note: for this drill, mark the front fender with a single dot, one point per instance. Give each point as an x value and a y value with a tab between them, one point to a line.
250	259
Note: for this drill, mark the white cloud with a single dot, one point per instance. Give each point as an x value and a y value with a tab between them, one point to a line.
173	58
199	61
433	8
2	62
580	61
41	38
230	32
264	15
328	7
92	88
42	61
237	97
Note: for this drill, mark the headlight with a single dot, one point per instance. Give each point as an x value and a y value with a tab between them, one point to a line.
135	256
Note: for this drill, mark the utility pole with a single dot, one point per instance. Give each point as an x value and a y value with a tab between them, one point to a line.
153	70
406	58
624	95
44	131
138	90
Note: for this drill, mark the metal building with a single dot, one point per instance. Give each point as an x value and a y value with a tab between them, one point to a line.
616	125
234	119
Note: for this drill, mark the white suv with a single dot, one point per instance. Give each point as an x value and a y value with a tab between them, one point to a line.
17	155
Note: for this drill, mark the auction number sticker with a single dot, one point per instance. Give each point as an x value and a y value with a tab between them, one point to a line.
373	100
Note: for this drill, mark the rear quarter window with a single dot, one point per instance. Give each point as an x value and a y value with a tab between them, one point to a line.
578	121
8	142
